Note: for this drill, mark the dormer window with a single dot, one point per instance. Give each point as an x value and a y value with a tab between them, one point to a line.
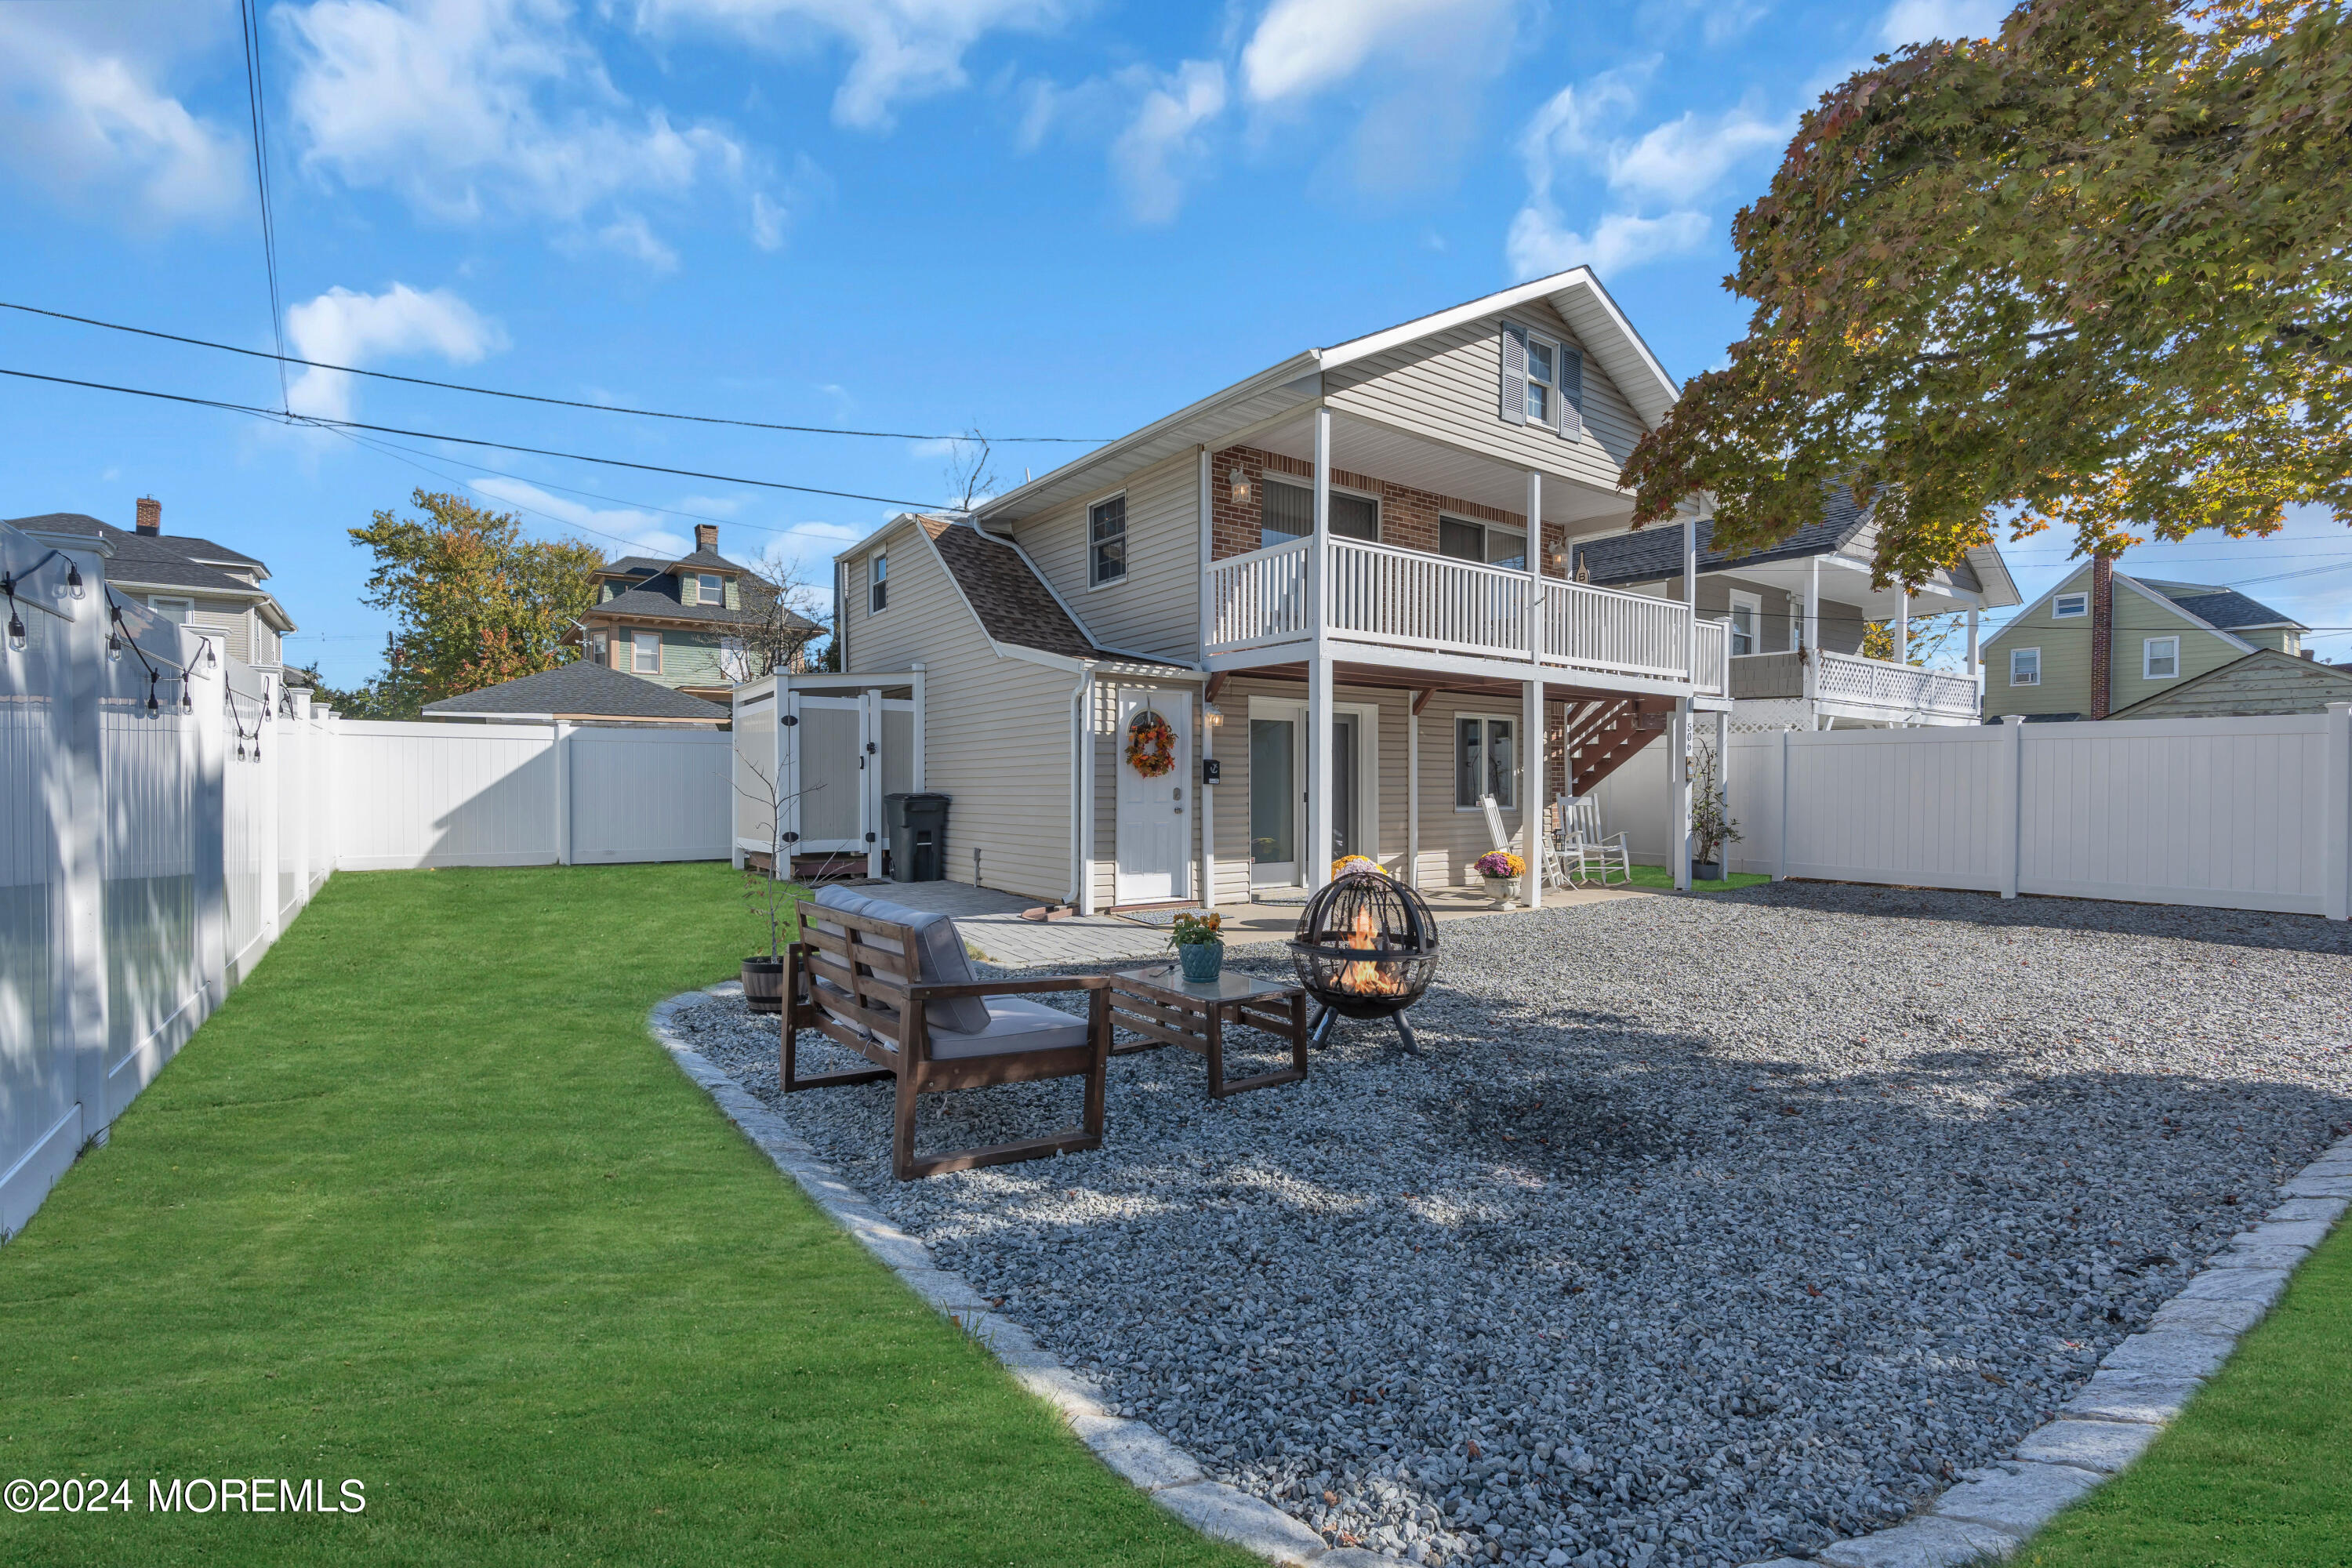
706	589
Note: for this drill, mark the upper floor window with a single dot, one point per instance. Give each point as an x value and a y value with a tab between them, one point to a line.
644	652
1483	543
2025	667
1543	381
710	588
877	583
2160	658
1747	622
2067	605
1107	541
179	611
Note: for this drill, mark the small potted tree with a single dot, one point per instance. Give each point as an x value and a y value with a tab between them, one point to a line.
1712	826
769	896
1501	870
1200	944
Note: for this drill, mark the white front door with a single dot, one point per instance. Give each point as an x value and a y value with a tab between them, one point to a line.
1155	810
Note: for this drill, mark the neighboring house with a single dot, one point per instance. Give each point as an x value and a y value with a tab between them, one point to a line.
2101	641
2263	681
579	692
207	587
1345	580
683	623
1812	591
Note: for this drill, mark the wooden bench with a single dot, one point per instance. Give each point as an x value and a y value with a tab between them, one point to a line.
900	993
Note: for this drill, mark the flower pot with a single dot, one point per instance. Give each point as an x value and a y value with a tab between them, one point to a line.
1706	871
1202	960
764	983
1503	892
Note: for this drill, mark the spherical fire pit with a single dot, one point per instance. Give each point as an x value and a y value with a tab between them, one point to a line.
1366	947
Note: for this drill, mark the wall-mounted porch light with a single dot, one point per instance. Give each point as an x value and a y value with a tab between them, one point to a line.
1238	481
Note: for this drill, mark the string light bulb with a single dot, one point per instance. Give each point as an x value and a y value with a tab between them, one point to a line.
154	707
186	704
15	629
73	580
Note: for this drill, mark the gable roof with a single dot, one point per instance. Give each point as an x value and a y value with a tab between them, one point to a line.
186	546
1649	553
1012	601
2218	606
2296	686
1602	330
656	597
172	561
579	690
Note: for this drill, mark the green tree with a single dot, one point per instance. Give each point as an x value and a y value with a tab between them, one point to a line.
2091	273
473	602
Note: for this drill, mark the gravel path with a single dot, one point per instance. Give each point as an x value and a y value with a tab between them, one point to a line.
1706	1229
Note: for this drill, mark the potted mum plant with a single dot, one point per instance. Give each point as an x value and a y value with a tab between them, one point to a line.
1200	944
1501	871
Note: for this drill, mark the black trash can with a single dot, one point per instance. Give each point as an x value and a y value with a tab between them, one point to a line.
917	825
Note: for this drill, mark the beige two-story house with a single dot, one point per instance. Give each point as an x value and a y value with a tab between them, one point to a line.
1328	610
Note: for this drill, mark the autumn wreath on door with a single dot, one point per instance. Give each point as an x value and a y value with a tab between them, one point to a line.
1151	745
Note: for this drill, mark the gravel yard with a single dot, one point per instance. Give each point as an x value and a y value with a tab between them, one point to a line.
1705	1231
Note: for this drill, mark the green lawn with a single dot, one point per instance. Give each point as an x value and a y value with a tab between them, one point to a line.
2259	1469
424	1206
1658	876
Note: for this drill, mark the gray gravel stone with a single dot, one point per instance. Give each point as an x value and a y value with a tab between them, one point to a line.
2019	1499
2101	1446
1703	1230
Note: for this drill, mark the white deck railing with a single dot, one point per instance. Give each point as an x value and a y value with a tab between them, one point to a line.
1411	599
1896	688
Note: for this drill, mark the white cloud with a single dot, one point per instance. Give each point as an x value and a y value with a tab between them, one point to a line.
1684	158
1538	244
471	109
82	109
1163	141
626	529
899	50
1916	21
341	327
629	235
1303	46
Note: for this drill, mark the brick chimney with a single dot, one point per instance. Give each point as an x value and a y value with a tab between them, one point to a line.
2103	639
706	537
151	515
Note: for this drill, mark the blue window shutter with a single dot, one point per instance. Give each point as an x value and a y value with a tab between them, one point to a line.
1572	393
1514	373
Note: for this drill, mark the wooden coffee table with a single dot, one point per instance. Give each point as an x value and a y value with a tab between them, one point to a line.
1167	1009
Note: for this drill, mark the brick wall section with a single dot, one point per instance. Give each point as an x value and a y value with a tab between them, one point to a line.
1408	516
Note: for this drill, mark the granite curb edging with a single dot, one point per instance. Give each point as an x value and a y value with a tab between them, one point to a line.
1134	1450
2140	1387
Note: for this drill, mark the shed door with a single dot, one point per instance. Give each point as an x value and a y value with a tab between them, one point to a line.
1155	822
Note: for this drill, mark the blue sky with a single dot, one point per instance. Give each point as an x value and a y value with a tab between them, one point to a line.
1038	217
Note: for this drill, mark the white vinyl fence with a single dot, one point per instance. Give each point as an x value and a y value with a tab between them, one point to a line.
147	860
2246	814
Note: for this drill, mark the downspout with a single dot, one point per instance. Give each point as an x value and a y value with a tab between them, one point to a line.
1082	820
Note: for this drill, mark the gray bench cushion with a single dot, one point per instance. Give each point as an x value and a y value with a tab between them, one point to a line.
1015	1024
939	954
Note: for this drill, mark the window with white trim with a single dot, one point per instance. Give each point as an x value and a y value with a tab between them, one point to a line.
2066	606
2025	667
1484	761
644	653
1483	542
1747	622
710	588
1107	541
1543	381
179	611
2160	658
877	583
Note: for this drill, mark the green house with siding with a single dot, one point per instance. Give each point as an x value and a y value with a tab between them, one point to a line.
2158	635
682	623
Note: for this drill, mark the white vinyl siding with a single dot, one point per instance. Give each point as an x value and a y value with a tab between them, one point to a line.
1446	383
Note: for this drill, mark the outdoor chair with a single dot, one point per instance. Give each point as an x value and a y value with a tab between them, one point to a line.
893	984
1587	846
1546	860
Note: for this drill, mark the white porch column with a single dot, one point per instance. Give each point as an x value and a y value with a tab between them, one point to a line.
1314	860
1531	783
1535	568
1086	748
1690	595
1813	609
1314	855
1975	659
1678	789
1903	627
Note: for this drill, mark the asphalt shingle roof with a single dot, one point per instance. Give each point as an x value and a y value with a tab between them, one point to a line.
1658	551
1014	605
165	559
2223	607
582	691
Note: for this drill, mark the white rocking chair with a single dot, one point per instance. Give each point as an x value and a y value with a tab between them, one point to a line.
1587	846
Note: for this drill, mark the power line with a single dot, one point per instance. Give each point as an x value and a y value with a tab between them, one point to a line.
326	424
251	27
285	359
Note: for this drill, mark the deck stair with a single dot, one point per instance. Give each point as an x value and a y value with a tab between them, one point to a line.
1602	736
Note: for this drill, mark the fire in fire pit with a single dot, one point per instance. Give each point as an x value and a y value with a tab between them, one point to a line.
1366	947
